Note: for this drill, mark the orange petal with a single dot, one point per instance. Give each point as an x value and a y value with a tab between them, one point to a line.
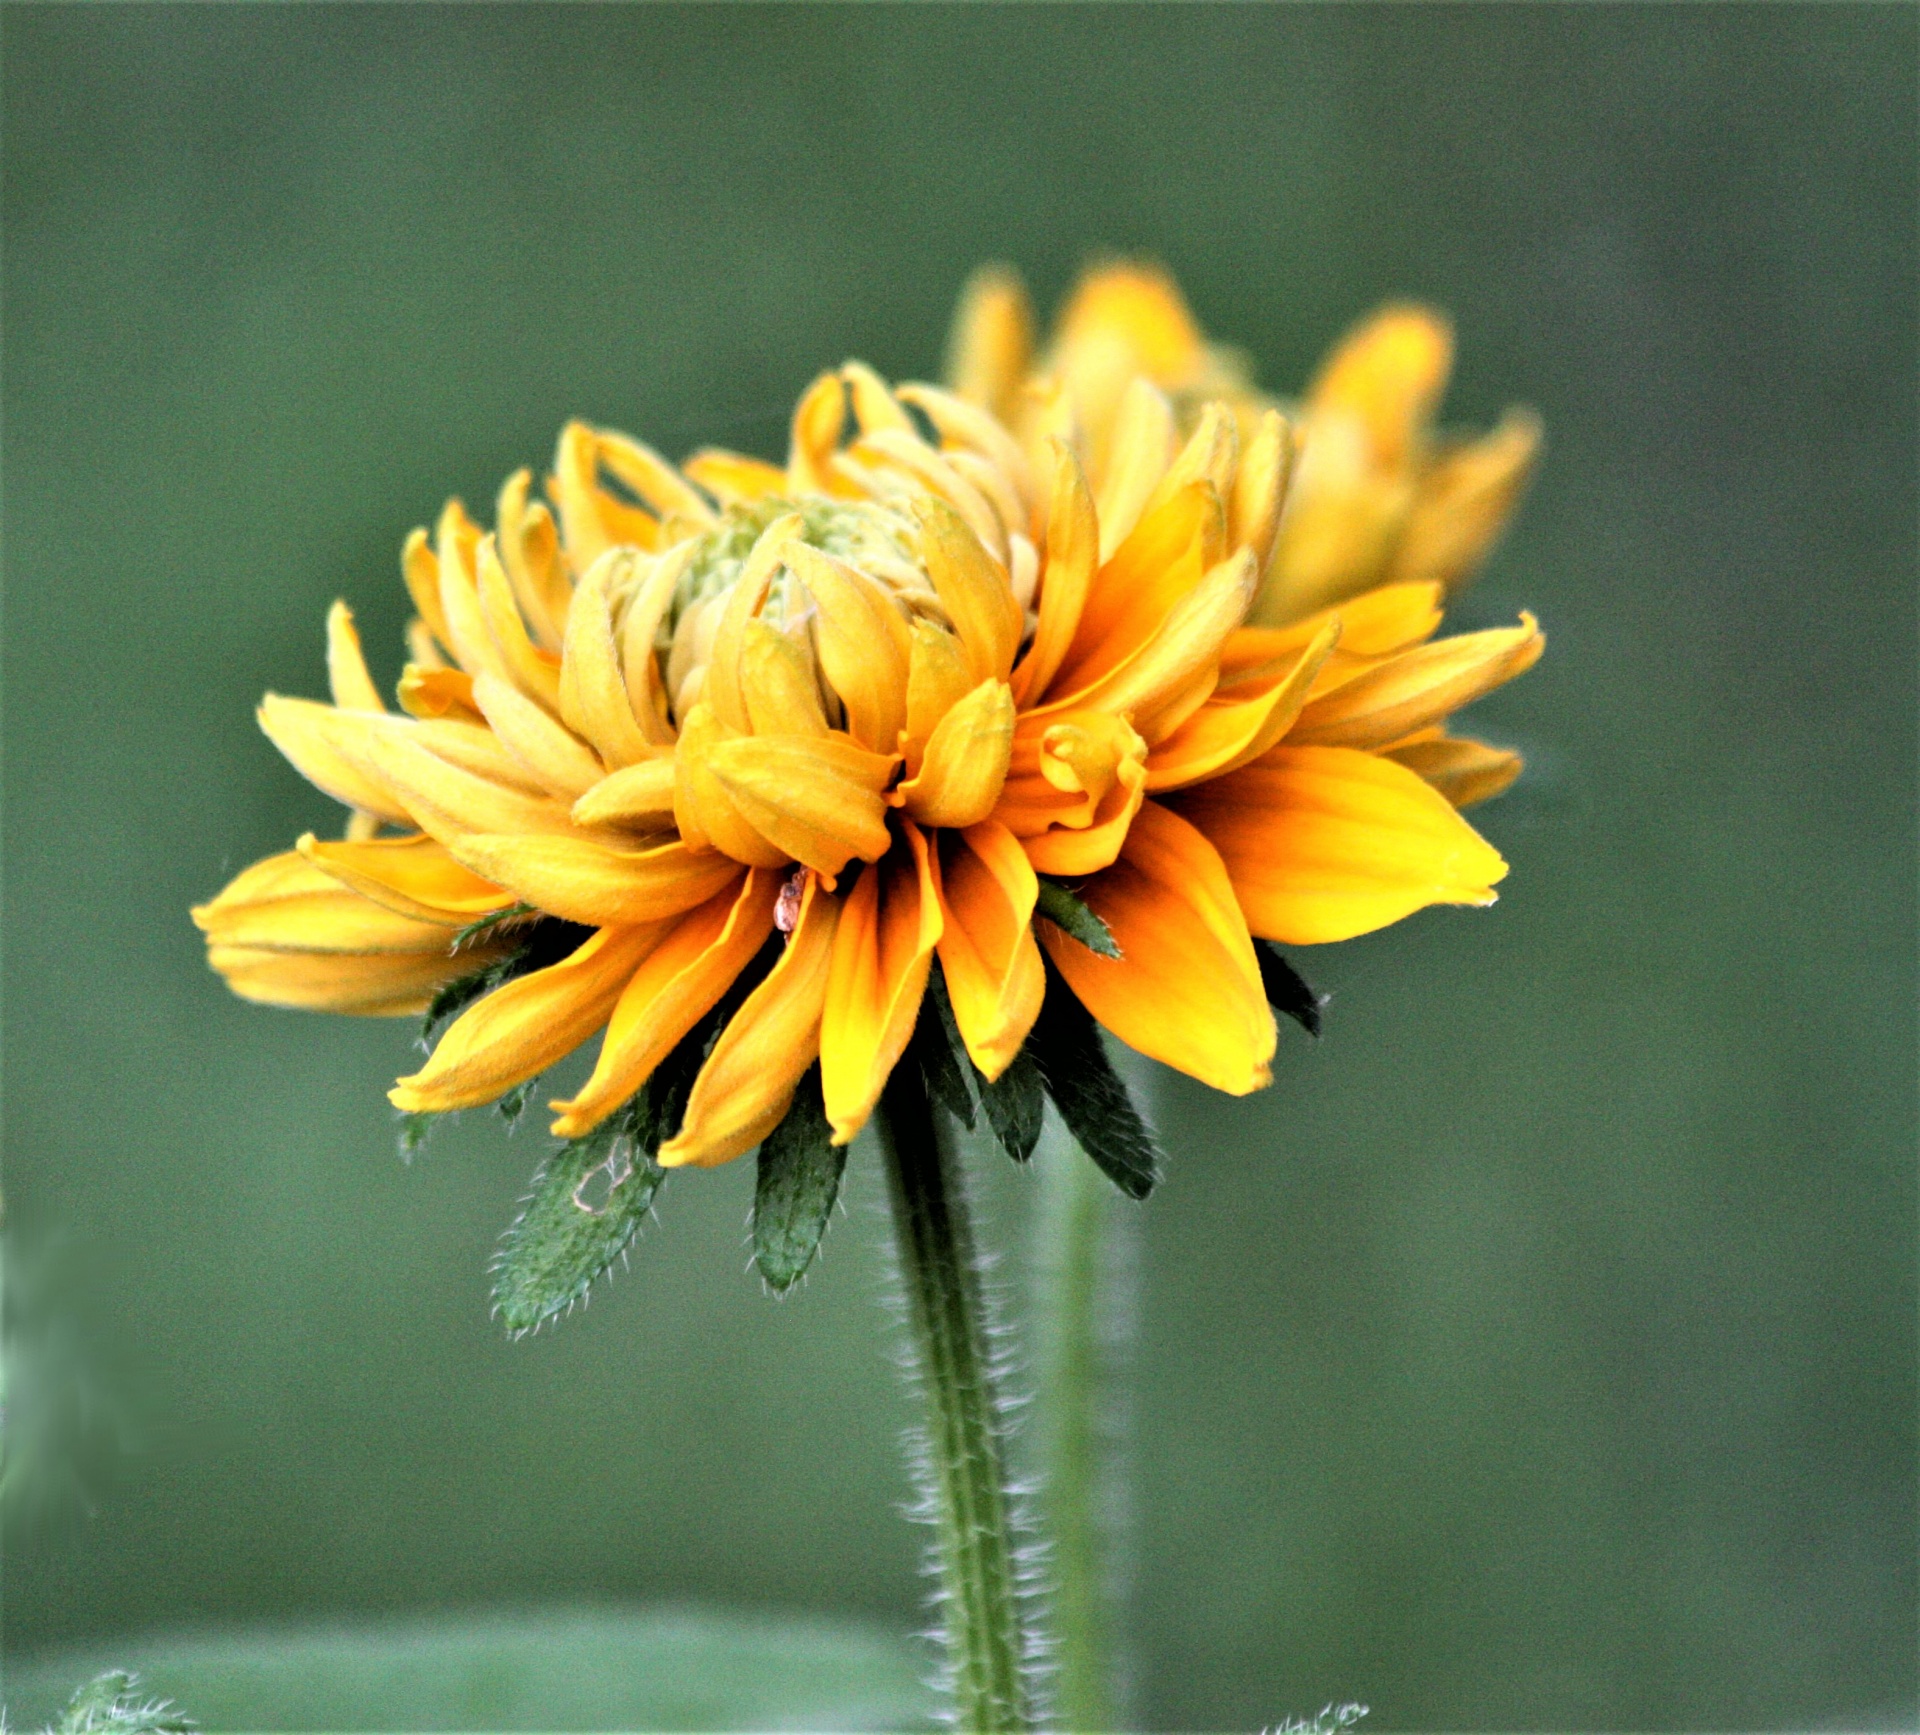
889	926
987	951
1225	734
523	1028
748	1081
1324	843
1073	556
675	987
1186	987
430	692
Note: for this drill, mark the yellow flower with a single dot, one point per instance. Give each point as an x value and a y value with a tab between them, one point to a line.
794	732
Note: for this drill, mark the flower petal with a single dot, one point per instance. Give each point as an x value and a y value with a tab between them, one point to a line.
732	478
331	749
287	904
1073	556
1324	843
1186	987
816	798
863	643
748	1081
530	551
1463	771
448	801
521	1029
639	796
563	764
675	986
534	672
973	588
889	925
992	341
1463	503
353	688
413	875
965	763
988	955
372	985
1417	688
1389	373
593	688
583	881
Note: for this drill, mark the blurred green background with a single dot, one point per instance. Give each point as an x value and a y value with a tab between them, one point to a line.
1538	1352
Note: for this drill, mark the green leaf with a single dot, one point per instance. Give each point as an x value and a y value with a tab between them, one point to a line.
1089	1094
799	1179
944	1062
1015	1103
112	1704
587	1202
1287	989
1075	920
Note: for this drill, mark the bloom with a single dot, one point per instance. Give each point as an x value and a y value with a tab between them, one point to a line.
775	738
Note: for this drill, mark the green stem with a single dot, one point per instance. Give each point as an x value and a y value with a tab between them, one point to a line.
966	1462
1084	1318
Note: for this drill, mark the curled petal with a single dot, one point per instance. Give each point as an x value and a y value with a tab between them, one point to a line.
748	1081
1224	734
1073	556
583	881
521	1029
413	875
448	801
1463	771
331	749
1323	843
644	472
534	672
371	984
889	925
863	643
937	680
965	761
562	763
593	689
973	588
288	904
1142	448
817	422
420	567
703	809
1417	688
733	479
987	952
1186	987
592	519
429	692
816	798
638	796
675	986
530	551
1260	489
353	688
778	685
1464	501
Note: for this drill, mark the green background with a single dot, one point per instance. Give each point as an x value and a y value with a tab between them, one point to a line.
1539	1351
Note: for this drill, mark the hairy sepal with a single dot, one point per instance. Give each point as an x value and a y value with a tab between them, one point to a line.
1092	1098
1075	919
794	1192
1287	990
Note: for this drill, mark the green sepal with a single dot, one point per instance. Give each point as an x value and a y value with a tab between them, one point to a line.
1074	919
797	1184
1091	1097
576	1224
1287	990
1016	1104
414	1129
542	942
487	924
514	1104
942	1054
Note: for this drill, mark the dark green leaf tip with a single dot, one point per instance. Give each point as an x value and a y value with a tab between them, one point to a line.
941	1053
1092	1098
794	1192
1074	919
1287	990
1016	1106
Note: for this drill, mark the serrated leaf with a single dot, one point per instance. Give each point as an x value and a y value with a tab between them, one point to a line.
941	1052
1091	1097
1016	1104
1074	919
798	1182
587	1202
1287	990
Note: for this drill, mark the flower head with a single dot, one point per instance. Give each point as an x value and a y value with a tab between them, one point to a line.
775	739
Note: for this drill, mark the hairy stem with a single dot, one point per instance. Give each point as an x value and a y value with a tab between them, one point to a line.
966	1460
1084	1315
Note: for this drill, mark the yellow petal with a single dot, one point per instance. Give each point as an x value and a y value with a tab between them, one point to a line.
818	419
992	341
473	747
287	904
965	762
534	671
973	588
722	689
562	763
1142	449
1073	548
967	425
593	689
521	1029
456	544
430	692
874	406
1211	455
987	951
1463	502
937	680
1225	734
413	875
882	950
747	1083
1260	489
373	985
420	567
353	688
675	986
816	798
732	479
934	478
703	810
583	881
1324	843
448	801
640	468
1186	988
329	748
1463	771
778	684
863	644
1389	372
1107	763
591	519
1419	687
646	609
637	796
530	551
